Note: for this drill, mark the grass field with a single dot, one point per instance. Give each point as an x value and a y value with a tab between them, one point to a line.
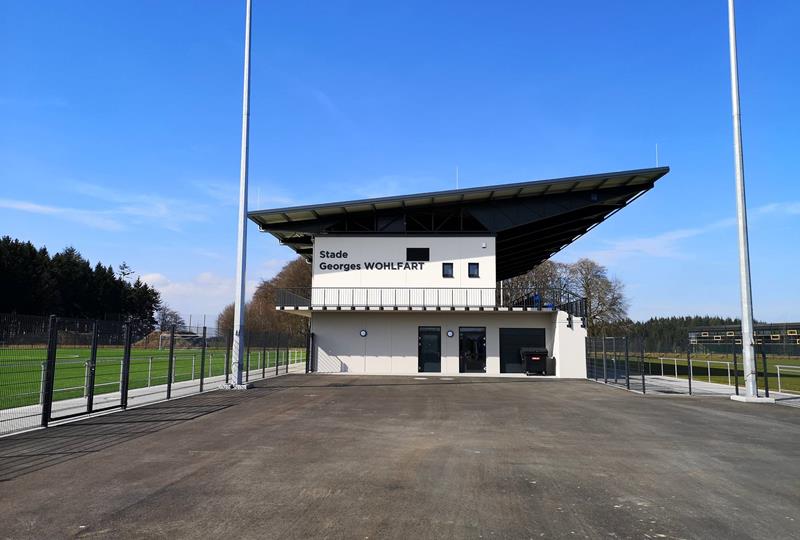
702	364
21	369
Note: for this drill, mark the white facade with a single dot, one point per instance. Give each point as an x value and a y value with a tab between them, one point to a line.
391	342
370	296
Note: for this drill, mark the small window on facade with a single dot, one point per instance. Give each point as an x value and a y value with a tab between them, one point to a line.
447	269
473	270
418	254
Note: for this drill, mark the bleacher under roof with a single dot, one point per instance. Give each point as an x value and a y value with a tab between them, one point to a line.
530	220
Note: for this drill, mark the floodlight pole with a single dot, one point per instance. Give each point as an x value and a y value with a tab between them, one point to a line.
748	357
237	356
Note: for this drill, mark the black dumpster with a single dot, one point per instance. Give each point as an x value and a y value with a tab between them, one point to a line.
535	360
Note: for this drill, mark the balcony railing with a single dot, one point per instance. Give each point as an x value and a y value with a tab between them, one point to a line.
321	298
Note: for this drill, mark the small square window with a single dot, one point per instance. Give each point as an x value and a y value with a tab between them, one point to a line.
447	269
418	254
473	270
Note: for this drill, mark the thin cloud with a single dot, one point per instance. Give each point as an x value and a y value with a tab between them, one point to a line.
151	209
668	244
396	184
227	194
782	208
93	218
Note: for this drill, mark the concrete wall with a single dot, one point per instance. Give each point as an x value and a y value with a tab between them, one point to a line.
391	343
460	250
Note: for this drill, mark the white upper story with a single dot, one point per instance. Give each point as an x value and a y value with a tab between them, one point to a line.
448	262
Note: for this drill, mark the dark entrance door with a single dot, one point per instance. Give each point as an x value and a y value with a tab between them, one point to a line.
472	349
429	359
511	341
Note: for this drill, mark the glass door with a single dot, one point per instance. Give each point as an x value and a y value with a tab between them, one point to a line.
429	358
472	349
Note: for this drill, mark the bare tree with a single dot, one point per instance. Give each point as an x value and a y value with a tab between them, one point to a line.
605	297
167	316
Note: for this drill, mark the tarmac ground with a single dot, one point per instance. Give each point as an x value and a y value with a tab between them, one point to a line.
336	456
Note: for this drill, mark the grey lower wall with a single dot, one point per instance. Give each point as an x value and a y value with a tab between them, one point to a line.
390	346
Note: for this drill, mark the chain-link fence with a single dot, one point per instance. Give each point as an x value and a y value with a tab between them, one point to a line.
54	368
702	369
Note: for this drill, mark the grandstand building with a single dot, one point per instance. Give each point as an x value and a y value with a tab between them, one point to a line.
414	284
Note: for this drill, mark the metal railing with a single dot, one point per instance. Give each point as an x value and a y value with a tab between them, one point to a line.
793	370
55	368
431	297
692	372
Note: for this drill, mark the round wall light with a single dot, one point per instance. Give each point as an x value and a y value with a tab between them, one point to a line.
363	333
450	333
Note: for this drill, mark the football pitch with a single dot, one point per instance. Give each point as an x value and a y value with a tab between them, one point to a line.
22	369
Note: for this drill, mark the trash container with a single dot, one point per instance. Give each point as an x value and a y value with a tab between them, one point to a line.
534	359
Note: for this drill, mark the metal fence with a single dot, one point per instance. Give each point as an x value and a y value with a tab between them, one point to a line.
54	368
623	361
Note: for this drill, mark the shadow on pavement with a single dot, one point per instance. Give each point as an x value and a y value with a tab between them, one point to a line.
35	450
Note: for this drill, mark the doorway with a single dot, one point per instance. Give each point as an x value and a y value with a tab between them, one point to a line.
429	358
472	349
514	339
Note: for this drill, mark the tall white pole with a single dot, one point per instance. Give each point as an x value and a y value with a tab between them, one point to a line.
748	356
237	356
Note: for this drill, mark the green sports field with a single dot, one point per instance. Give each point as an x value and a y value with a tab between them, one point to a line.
717	366
21	369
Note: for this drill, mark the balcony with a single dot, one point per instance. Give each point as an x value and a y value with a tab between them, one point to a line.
428	299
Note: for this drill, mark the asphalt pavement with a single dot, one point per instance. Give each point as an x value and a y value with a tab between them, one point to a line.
305	456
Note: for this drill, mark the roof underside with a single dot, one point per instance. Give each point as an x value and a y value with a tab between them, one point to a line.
531	220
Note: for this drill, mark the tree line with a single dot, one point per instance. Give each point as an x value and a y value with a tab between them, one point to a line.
261	317
65	284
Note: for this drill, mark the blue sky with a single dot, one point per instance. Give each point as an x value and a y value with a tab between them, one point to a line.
121	124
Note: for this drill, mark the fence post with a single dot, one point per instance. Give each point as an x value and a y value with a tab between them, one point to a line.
92	370
642	367
171	361
766	373
247	371
43	370
605	369
689	365
309	337
203	360
149	370
263	359
614	359
126	366
735	369
287	353
627	368
277	354
227	360
49	371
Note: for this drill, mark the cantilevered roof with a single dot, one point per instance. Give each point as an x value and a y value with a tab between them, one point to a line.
530	220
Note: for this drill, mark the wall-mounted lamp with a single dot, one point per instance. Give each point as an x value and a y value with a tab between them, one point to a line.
363	333
450	333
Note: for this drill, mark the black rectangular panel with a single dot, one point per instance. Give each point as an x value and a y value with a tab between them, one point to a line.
511	341
418	254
